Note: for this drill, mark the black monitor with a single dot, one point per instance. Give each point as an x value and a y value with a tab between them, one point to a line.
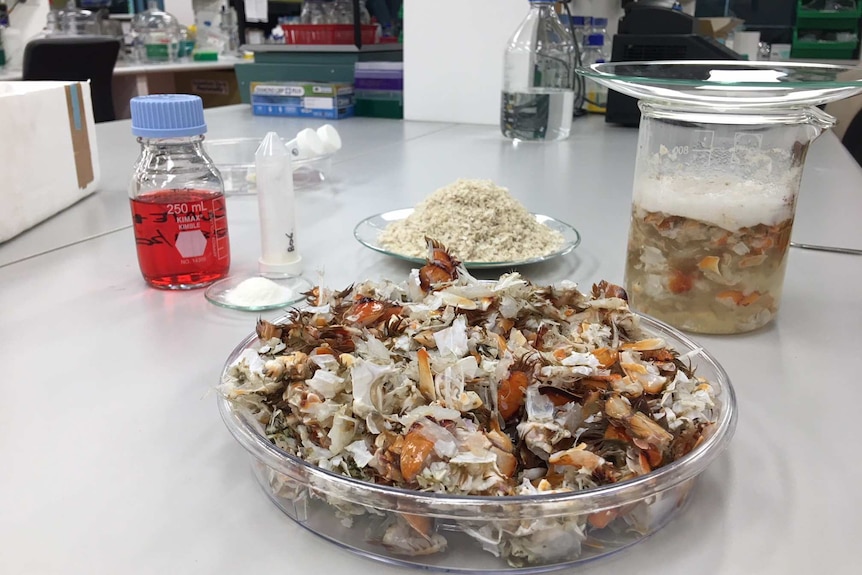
649	33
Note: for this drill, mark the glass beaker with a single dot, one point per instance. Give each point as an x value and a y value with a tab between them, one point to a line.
712	212
720	154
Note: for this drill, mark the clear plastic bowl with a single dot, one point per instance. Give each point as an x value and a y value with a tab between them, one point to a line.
353	514
235	160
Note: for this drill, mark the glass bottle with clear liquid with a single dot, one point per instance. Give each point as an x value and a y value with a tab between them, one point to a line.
538	78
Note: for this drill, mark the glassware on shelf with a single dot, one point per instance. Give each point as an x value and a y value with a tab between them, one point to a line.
74	21
156	34
314	12
229	30
595	52
342	12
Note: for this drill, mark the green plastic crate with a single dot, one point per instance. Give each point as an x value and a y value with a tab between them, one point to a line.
379	108
827	19
822	50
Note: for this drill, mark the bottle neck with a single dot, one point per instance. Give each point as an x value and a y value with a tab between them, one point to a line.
543	6
542	9
191	141
152	5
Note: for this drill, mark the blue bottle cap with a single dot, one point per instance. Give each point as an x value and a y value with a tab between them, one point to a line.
578	21
596	40
600	22
168	116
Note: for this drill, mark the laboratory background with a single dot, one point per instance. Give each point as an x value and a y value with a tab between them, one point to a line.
430	286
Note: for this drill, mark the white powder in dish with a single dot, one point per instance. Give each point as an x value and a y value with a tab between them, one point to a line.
729	202
256	291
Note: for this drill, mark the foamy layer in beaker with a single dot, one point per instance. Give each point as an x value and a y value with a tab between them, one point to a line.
727	201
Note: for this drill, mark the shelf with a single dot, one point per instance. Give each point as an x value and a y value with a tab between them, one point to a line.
828	14
828	19
380	47
822	50
808	21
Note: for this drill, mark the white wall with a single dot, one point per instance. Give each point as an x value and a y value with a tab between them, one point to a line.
182	9
29	17
25	21
453	55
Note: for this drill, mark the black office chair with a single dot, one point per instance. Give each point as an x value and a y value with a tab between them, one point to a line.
76	58
852	139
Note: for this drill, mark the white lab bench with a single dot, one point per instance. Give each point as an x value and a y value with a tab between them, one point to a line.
114	458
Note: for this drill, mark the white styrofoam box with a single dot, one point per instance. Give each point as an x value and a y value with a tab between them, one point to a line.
48	153
453	55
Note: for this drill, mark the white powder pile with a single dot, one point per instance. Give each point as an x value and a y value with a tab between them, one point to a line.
477	221
257	291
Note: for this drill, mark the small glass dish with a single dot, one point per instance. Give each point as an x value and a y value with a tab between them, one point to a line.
352	513
367	232
235	160
729	83
294	288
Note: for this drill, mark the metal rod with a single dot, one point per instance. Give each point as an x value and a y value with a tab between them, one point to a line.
357	25
852	251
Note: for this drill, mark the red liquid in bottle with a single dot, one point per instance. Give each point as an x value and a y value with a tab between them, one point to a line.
181	237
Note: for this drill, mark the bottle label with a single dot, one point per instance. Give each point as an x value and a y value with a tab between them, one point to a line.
525	115
181	233
158	52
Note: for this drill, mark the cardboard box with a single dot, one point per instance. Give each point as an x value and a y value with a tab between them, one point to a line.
717	27
302	99
48	153
215	87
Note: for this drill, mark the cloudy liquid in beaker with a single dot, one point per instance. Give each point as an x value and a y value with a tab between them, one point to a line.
181	237
711	261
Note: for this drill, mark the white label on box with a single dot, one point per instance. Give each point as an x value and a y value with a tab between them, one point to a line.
203	86
279	90
319	103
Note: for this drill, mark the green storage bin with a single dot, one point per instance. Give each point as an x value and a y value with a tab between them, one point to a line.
822	50
819	21
379	108
827	19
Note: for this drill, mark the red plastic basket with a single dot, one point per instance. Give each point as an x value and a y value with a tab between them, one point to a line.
326	33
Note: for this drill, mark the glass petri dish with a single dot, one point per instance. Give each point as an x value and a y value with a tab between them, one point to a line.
234	159
367	232
223	293
729	83
350	513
